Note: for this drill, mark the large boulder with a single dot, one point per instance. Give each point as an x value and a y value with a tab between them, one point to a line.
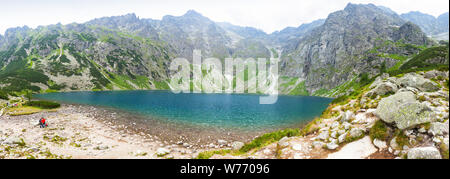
356	133
237	145
382	89
438	128
332	144
283	142
424	153
379	80
394	144
162	152
323	135
434	73
404	110
347	116
419	82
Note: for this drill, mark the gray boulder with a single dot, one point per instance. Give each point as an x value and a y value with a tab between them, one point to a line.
318	144
347	116
162	151
438	128
237	145
445	142
13	140
379	80
419	82
394	144
222	142
383	89
404	110
283	142
424	153
434	73
356	132
323	135
332	145
346	125
380	144
342	137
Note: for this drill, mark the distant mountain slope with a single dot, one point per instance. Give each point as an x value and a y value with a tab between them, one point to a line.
127	52
347	45
291	34
186	33
429	24
81	57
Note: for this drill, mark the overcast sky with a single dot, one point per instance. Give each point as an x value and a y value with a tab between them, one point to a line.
268	15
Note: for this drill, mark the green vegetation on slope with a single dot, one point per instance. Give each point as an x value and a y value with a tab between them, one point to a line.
434	57
300	89
379	131
43	104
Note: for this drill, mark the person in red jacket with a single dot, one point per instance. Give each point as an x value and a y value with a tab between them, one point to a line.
42	123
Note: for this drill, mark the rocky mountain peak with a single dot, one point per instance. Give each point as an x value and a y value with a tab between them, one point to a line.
411	33
372	12
189	16
192	13
327	55
355	7
116	21
443	21
428	23
444	16
14	31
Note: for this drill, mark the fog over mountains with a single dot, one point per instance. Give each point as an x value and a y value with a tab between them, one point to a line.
127	52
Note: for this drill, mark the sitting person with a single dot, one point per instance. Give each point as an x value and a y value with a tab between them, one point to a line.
42	123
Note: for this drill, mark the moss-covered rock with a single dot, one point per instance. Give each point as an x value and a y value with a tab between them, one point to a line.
403	110
419	82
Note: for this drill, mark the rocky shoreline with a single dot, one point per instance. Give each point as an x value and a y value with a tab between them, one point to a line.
398	117
403	116
77	131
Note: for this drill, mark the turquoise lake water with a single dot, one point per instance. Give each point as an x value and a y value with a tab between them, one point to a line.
213	110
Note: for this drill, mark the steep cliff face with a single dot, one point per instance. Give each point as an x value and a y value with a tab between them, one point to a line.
339	49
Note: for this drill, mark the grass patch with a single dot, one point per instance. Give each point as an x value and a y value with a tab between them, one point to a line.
3	95
311	127
379	131
269	138
444	151
300	89
401	139
420	60
349	138
43	104
23	110
209	154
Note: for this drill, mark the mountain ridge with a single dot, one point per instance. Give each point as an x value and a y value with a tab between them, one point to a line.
104	49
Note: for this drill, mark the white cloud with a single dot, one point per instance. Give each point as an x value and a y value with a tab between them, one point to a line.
268	15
